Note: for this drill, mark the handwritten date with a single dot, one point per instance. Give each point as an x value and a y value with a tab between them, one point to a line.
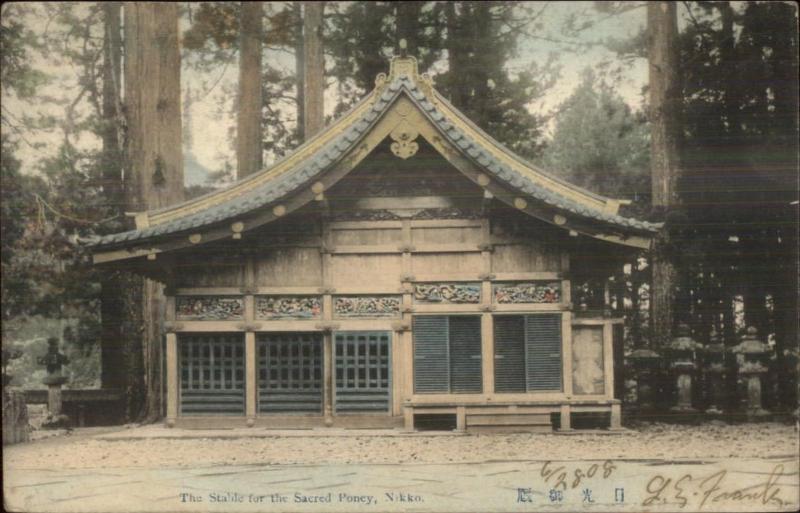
561	477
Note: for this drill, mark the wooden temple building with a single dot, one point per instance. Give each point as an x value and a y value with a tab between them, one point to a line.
400	267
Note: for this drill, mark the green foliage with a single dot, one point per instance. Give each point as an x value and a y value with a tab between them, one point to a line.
212	42
740	84
600	144
477	38
46	272
17	42
481	37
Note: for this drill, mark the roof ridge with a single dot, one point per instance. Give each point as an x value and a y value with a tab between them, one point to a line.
272	188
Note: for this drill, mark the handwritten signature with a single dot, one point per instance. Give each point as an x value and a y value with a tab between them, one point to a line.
712	489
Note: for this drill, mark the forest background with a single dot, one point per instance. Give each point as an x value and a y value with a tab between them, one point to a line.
564	84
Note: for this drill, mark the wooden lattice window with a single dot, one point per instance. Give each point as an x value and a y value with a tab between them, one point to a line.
212	373
363	364
447	354
527	353
290	372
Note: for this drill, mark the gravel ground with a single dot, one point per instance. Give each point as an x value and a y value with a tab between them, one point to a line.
656	441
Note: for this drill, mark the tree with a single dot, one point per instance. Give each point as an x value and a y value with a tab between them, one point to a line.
152	96
119	311
480	39
599	143
740	88
665	110
212	43
248	127
314	70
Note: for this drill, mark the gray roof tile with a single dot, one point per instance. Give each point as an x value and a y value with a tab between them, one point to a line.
292	179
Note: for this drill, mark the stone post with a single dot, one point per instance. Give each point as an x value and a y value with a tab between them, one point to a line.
751	355
682	353
54	361
716	374
644	365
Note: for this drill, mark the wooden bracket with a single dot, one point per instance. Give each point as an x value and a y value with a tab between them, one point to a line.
327	327
172	327
400	326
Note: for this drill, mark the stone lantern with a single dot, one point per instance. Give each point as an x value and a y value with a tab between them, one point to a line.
752	356
716	375
54	361
644	365
682	354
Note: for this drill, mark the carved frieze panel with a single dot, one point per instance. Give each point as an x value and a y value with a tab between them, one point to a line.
209	308
456	293
288	307
527	292
366	306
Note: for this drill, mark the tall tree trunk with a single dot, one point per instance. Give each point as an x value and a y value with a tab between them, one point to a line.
408	14
455	51
786	318
665	108
120	347
314	69
299	72
155	163
248	126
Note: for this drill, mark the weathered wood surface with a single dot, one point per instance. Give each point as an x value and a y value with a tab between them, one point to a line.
587	360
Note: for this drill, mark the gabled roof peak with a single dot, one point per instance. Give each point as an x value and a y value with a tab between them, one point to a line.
404	68
402	104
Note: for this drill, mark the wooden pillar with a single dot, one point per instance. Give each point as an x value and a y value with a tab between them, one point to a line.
616	417
487	321
327	377
461	419
406	337
566	357
608	359
408	418
172	378
250	361
487	352
566	418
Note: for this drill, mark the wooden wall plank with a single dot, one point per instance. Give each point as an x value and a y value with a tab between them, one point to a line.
289	267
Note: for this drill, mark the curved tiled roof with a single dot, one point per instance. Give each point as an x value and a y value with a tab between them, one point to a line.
272	190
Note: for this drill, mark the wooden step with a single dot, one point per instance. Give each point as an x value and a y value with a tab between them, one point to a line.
539	428
509	423
514	419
